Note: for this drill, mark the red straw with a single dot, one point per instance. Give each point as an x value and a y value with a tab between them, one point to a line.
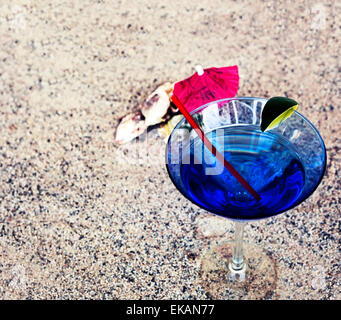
212	148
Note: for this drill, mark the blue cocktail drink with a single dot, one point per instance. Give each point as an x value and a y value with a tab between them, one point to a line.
284	165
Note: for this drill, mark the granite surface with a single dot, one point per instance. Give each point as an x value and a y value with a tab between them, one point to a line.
82	218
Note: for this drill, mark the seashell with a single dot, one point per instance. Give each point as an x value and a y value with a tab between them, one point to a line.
129	127
156	106
157	109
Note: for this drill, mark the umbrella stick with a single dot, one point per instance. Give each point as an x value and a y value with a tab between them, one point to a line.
213	149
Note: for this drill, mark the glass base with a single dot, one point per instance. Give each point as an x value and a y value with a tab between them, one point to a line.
256	280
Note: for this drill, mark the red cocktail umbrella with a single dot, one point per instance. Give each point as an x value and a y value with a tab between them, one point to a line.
207	85
201	88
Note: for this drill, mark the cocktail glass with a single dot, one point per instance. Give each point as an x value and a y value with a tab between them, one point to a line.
284	165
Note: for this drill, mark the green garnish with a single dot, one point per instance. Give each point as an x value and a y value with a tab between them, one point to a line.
275	111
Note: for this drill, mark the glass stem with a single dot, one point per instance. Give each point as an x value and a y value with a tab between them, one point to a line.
238	258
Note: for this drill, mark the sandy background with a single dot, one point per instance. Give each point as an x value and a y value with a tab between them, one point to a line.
75	221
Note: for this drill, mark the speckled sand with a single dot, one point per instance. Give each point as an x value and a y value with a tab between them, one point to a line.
75	221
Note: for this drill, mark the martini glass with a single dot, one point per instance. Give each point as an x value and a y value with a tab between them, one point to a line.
284	165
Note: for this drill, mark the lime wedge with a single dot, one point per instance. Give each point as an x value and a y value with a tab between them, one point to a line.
275	111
